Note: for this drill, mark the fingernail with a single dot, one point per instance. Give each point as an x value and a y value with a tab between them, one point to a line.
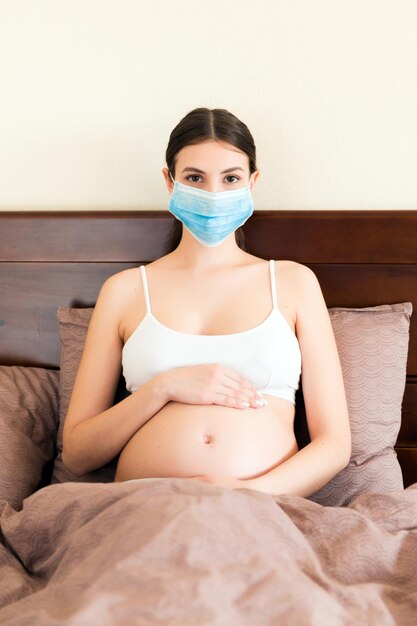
246	404
261	402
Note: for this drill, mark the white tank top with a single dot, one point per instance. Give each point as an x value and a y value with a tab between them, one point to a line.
267	355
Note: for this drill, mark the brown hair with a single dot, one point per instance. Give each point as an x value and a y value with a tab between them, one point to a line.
200	125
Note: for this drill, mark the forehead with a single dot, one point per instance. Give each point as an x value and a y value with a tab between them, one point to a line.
211	155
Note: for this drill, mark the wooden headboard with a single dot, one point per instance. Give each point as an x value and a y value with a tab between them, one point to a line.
50	259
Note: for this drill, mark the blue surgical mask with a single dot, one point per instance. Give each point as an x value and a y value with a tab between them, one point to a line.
211	216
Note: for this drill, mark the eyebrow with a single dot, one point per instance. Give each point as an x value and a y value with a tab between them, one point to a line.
195	169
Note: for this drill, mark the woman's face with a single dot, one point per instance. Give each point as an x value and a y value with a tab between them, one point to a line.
211	165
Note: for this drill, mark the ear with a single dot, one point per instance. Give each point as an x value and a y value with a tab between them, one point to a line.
168	179
255	176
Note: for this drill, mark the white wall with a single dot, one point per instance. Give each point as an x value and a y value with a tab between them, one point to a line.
91	89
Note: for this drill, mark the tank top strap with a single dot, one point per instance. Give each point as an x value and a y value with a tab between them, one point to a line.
273	283
145	288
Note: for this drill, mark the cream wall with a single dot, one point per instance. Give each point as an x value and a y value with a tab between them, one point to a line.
91	89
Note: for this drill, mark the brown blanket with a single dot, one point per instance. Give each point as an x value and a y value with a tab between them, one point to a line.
189	553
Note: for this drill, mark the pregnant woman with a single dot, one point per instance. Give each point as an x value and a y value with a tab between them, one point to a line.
212	342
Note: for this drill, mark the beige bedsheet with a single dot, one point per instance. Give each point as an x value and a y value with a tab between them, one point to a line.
188	553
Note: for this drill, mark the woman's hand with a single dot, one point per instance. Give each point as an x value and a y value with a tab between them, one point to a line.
223	481
209	384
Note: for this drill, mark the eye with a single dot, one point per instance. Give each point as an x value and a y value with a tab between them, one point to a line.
196	178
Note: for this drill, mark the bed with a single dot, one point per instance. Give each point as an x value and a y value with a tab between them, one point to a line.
86	550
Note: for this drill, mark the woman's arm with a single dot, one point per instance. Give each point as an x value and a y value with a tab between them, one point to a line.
324	397
94	430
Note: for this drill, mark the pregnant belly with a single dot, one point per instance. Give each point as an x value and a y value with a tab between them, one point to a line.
189	440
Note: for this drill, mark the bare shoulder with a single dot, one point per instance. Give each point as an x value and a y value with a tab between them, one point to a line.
295	270
122	278
298	279
116	293
123	283
296	283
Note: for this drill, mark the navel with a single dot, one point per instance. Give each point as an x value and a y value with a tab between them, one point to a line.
208	439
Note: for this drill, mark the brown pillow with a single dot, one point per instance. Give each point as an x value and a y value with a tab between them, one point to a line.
373	345
29	403
73	325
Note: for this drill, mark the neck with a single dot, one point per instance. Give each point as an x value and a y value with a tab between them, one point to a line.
190	254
